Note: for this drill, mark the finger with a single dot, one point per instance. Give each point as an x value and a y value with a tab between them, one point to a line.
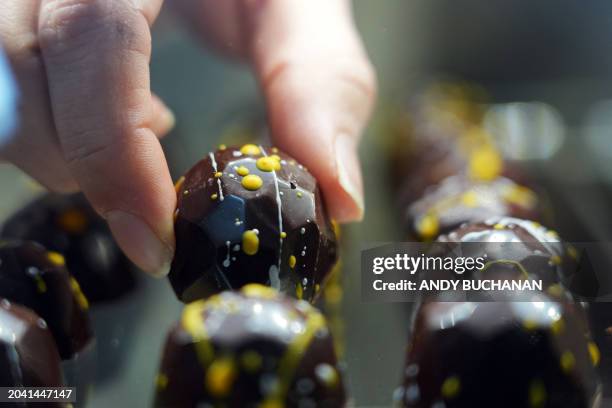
319	88
162	120
96	54
34	148
35	160
216	22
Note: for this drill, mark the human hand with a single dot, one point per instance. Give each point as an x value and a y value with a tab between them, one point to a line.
90	122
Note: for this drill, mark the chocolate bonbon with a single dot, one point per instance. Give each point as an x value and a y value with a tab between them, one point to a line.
518	247
28	355
250	215
524	353
37	279
68	224
458	200
253	348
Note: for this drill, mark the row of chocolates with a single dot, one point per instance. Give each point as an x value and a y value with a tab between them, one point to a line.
56	257
517	350
245	216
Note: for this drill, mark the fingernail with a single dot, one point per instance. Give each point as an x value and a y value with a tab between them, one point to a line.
164	122
349	175
169	119
140	243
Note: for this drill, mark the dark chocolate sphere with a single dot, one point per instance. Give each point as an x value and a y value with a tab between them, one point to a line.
500	354
458	200
28	355
37	279
250	215
253	348
68	224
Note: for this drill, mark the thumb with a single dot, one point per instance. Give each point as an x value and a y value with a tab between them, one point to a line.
320	89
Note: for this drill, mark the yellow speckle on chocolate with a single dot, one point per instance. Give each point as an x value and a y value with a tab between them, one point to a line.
251	361
220	377
568	361
192	322
73	221
299	291
218	174
250	149
268	163
469	199
252	182
56	258
555	290
520	195
594	353
214	196
428	226
292	261
260	291
530	324
78	294
485	164
242	171
272	404
552	234
558	326
250	242
179	184
161	381
336	228
537	394
41	285
333	293
222	147
451	387
572	251
283	234
327	375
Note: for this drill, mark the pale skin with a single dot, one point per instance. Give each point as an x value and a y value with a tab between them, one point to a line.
89	121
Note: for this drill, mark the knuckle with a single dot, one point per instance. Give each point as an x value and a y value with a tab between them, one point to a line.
84	148
361	76
354	72
65	20
66	25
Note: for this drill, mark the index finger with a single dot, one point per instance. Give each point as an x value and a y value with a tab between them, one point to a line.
96	56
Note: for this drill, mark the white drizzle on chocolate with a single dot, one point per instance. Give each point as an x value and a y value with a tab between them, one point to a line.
274	280
214	166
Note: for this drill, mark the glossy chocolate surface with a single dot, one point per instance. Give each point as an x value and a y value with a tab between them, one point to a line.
500	354
68	224
442	136
516	248
37	279
250	215
28	355
458	200
253	348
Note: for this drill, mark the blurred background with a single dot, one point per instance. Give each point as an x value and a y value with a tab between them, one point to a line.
547	68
